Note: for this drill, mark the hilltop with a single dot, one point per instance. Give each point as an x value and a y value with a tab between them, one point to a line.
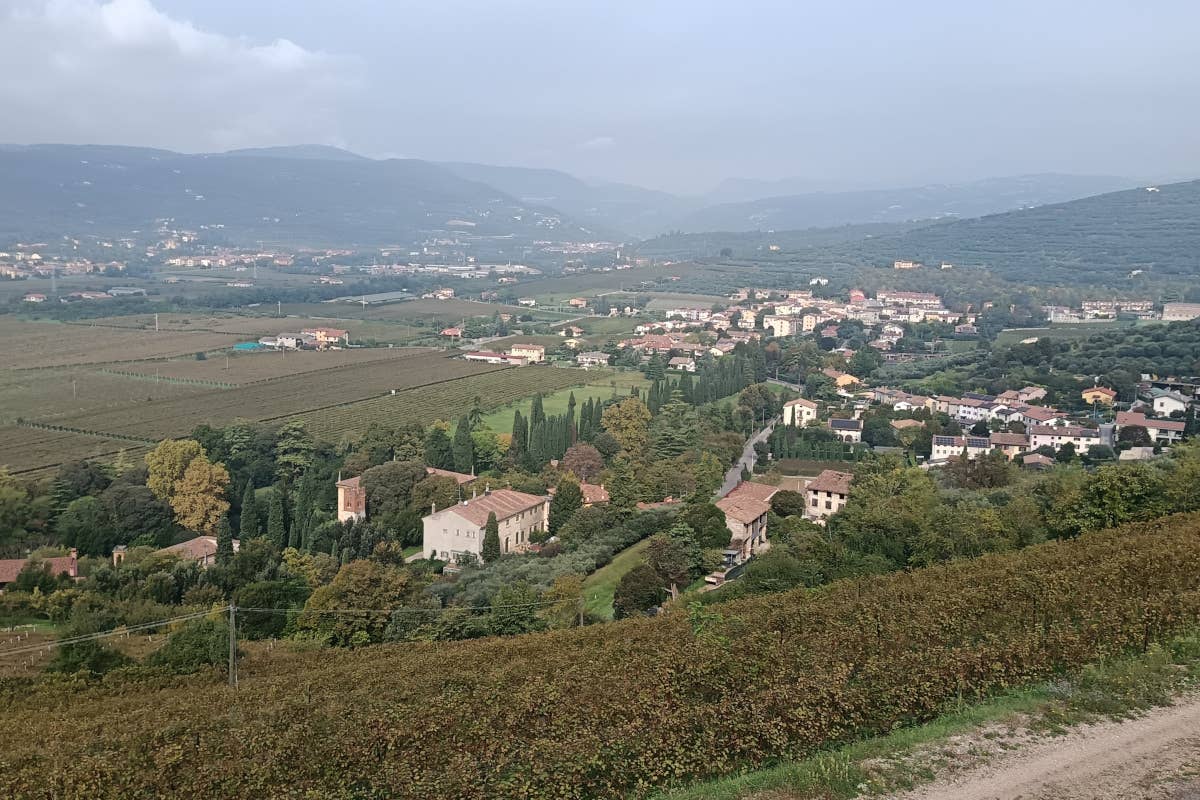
302	195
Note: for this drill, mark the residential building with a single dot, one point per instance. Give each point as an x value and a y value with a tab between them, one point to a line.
327	337
746	509
593	494
1059	435
799	412
682	364
532	353
351	499
1166	402
451	333
67	565
1011	444
1037	461
826	494
1098	394
592	358
1180	312
905	424
905	264
847	430
35	297
201	549
578	302
1039	415
947	447
456	533
1160	430
526	301
782	326
843	380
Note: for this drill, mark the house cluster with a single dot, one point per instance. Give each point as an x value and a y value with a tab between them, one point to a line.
1102	310
67	565
517	355
308	339
75	297
26	262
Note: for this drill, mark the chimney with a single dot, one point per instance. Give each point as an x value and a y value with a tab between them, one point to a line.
433	508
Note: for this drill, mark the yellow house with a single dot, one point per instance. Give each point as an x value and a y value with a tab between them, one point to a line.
841	379
1099	394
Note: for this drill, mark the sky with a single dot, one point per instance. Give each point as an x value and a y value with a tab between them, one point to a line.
669	94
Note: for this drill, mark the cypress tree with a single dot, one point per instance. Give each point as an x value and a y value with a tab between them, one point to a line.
490	548
438	452
566	501
276	519
224	540
571	429
251	524
462	447
520	439
536	412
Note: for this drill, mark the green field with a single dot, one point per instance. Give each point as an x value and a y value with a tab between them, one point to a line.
599	587
1063	331
599	386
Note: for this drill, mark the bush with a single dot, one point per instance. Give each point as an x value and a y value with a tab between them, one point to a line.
198	644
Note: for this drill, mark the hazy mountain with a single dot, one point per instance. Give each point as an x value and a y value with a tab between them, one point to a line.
1097	238
322	152
826	209
302	195
631	209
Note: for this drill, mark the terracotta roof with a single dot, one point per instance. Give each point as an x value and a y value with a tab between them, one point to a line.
504	503
594	493
901	424
758	491
1039	413
461	477
800	401
1009	439
831	481
1137	418
1070	431
198	548
1104	390
349	483
1037	459
743	508
10	568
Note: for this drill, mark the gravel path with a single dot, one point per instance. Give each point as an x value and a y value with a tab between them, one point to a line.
1155	757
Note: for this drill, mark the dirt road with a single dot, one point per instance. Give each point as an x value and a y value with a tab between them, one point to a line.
1156	757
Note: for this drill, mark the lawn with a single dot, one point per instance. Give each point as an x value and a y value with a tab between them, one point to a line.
599	587
600	386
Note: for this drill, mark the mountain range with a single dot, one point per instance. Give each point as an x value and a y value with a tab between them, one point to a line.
315	194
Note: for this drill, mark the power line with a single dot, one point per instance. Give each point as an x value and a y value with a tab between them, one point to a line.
88	637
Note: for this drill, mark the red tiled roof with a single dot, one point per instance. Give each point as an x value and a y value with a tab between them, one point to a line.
800	401
744	509
504	503
349	483
1140	419
593	493
757	491
10	568
1070	431
461	477
1009	439
198	548
831	481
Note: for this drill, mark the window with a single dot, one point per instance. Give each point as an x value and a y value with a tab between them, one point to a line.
828	504
814	503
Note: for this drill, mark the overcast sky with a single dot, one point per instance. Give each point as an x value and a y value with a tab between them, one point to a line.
673	94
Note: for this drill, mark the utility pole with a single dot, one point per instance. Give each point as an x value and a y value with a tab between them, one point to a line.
232	645
156	322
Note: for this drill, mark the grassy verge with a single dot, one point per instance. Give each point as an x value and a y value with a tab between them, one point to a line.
600	586
1116	689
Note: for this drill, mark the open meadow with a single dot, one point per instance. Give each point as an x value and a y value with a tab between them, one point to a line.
446	400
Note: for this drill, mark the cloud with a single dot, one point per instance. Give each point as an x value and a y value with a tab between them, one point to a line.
598	143
123	72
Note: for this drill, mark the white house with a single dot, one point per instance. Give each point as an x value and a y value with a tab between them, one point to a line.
456	533
1057	436
799	412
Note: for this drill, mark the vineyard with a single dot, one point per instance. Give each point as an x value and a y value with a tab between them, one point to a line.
274	399
50	393
253	326
32	452
609	711
50	344
245	368
446	401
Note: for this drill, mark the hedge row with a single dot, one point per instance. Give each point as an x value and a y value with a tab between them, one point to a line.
610	710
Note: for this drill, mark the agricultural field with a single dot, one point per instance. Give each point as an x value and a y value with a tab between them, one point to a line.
600	385
50	393
53	344
252	326
279	398
32	452
561	288
446	400
421	313
257	366
662	301
1063	331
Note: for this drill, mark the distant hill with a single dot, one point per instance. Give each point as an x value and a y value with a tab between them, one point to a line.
632	209
1093	239
315	151
304	195
829	209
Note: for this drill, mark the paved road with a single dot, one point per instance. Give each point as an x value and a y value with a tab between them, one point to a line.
734	476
